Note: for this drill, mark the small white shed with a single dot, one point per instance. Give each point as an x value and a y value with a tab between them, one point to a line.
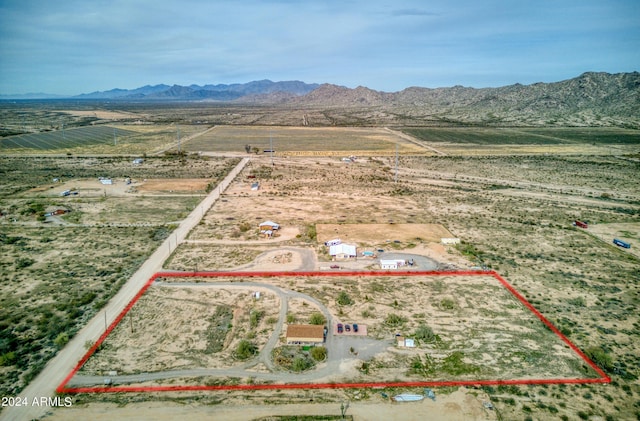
388	264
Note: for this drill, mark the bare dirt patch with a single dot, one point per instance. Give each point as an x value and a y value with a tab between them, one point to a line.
103	114
161	332
197	185
376	233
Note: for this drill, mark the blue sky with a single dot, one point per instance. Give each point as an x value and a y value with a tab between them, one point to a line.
70	47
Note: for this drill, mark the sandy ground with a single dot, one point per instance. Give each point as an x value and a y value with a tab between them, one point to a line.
173	185
461	405
93	187
373	233
103	115
628	232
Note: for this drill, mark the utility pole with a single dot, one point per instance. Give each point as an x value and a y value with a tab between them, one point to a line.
271	147
178	128
396	176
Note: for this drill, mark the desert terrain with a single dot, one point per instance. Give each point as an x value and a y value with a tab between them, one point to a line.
513	213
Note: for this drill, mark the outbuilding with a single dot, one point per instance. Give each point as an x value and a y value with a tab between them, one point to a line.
405	342
342	251
391	264
305	334
268	225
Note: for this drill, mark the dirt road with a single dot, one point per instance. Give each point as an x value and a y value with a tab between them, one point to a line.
53	374
461	405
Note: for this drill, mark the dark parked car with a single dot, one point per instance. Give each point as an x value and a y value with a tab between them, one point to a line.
339	327
347	328
355	327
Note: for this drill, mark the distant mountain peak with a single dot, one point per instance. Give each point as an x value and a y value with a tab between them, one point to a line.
219	92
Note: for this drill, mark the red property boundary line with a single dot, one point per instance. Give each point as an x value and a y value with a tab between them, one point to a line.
62	388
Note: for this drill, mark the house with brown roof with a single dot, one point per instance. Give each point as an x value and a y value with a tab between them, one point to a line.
305	334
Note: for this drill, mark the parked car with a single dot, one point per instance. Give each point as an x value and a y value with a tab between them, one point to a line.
340	327
335	266
355	327
347	328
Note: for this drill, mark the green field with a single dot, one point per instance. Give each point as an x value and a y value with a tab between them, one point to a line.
526	136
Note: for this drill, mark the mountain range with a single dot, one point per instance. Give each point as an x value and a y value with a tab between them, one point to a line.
220	92
591	98
596	98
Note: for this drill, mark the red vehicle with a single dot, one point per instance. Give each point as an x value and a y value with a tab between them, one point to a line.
335	267
581	224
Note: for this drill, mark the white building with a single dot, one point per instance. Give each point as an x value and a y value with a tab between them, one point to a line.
391	264
268	225
342	251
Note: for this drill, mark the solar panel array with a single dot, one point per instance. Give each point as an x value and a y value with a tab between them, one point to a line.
66	139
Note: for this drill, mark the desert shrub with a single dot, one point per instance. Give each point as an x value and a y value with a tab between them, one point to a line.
453	364
425	333
394	320
61	340
301	363
8	359
317	319
344	299
600	357
160	233
255	317
318	353
24	262
311	232
578	302
245	350
447	304
422	367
